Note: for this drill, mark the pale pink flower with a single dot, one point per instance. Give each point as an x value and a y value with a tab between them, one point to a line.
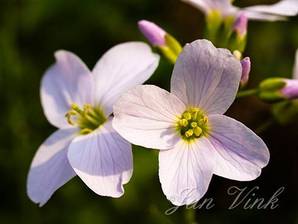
187	126
277	11
79	103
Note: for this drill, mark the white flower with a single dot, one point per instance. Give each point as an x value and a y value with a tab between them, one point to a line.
187	125
277	11
79	103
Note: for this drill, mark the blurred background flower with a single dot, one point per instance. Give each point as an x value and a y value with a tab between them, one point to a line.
30	31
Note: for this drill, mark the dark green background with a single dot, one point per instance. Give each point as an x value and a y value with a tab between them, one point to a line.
31	30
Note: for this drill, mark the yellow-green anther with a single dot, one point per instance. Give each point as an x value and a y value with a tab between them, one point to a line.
87	119
76	108
194	124
189	133
197	131
187	115
183	122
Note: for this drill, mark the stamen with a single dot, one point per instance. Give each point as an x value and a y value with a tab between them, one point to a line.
87	119
189	133
183	122
192	124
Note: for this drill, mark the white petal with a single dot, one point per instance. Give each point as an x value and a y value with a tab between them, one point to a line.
239	153
146	116
295	72
282	8
103	160
67	81
185	171
206	77
50	168
121	68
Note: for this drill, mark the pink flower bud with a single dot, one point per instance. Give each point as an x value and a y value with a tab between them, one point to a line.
290	91
240	24
154	34
246	65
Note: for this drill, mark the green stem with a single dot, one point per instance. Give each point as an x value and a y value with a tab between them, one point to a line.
245	93
190	216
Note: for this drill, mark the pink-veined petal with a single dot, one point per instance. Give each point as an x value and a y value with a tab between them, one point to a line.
146	116
239	153
185	171
206	77
121	68
67	81
50	168
103	160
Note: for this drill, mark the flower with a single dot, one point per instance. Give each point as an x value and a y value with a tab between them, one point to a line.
276	89
246	65
277	11
154	34
79	103
187	126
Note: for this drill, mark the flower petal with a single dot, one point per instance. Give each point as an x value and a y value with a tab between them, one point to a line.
103	160
282	8
146	116
50	168
239	153
67	81
185	171
295	72
121	68
206	77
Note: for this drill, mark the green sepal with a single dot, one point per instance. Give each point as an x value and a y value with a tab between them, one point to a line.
272	84
173	44
214	21
271	97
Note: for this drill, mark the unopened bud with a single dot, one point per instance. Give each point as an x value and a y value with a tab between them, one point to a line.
246	66
290	91
240	25
271	90
154	34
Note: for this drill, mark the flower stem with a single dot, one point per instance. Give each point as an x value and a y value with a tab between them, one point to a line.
245	93
190	216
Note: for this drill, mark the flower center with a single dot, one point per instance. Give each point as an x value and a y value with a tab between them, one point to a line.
192	124
87	119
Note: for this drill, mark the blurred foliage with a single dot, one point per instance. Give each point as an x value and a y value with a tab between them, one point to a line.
30	32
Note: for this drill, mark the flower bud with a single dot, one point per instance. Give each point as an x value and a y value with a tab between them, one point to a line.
290	91
240	25
276	89
154	34
246	65
159	38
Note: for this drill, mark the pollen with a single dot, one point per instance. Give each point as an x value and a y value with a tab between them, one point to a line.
192	124
87	119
